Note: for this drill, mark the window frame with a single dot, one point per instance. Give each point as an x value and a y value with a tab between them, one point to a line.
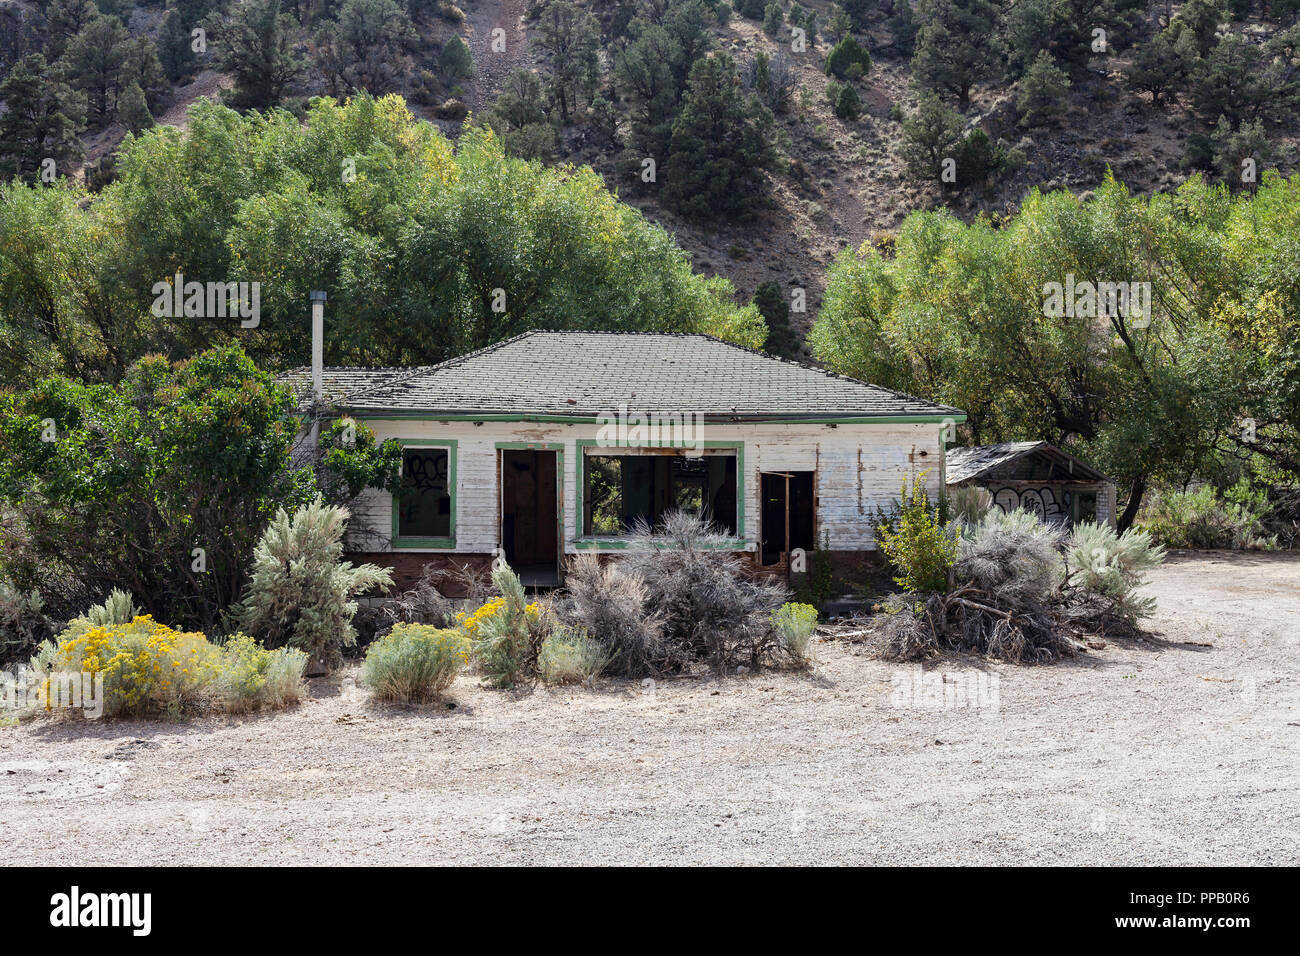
582	540
413	543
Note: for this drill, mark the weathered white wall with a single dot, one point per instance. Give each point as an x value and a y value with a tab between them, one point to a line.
857	466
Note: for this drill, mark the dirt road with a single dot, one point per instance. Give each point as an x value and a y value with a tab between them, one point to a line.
1161	752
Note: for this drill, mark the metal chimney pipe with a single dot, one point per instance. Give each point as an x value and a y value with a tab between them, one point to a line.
318	345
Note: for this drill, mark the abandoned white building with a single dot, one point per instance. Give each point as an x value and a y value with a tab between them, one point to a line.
551	443
1037	477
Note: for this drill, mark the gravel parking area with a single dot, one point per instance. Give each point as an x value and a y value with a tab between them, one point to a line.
1181	749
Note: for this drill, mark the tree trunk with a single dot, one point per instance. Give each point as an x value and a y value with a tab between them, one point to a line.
1134	502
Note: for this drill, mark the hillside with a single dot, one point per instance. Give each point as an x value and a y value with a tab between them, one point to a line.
835	181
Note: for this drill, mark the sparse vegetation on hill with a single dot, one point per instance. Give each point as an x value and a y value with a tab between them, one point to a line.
765	184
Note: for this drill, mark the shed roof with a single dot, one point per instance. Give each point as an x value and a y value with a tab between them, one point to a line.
586	374
967	464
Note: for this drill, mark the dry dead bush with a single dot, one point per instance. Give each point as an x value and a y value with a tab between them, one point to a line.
711	610
610	605
1007	605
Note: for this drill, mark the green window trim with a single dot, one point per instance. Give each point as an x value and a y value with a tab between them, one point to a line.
400	543
584	542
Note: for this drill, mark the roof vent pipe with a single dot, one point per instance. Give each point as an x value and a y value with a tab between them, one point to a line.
318	345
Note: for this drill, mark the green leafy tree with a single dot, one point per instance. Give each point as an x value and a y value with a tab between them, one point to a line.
963	314
410	234
42	118
160	484
721	146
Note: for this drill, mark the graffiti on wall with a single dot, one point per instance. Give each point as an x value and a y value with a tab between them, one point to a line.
1051	506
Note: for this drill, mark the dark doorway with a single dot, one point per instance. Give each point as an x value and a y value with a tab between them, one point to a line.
787	503
530	534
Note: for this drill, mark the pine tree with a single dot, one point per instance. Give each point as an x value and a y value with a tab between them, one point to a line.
931	134
957	46
94	59
1227	82
42	118
176	47
256	45
721	144
1042	91
571	38
771	304
64	20
133	109
1163	64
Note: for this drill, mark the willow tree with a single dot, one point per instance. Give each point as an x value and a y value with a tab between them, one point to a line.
1150	391
427	249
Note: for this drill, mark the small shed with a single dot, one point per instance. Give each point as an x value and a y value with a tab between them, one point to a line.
1037	477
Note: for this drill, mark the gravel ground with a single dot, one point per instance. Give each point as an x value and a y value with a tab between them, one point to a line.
1165	751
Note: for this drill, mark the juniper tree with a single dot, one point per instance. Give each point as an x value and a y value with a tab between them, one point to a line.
454	61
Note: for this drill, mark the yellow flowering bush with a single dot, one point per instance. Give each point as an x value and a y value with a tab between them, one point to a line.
147	667
414	663
506	634
472	623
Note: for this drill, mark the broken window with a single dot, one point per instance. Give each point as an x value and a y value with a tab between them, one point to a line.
621	490
424	503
